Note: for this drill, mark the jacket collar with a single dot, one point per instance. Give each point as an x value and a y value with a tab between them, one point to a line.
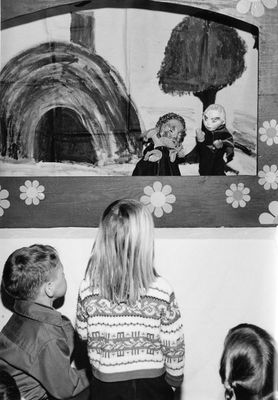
38	312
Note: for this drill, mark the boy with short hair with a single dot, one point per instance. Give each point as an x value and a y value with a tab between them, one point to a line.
37	342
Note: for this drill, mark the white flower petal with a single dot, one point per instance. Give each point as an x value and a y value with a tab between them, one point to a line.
269	142
148	190
257	9
36	201
273	168
262	131
240	186
5	203
158	212
243	6
145	199
166	189
229	192
274	185
28	184
261	181
167	208
40	188
23	188
4	194
28	201
266	168
41	196
273	208
246	197
229	200
270	3
263	138
273	123
235	204
171	198
242	203
267	186
275	139
233	187
23	196
245	190
266	125
157	186
1	212
266	218
35	184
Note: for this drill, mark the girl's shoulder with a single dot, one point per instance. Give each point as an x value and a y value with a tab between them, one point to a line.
161	287
85	288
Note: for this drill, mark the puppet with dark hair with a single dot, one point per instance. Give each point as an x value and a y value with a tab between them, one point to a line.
164	151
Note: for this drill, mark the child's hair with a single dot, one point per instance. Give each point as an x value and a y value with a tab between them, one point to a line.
247	366
8	387
27	269
121	266
219	108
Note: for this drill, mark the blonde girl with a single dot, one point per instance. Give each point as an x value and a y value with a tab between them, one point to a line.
127	313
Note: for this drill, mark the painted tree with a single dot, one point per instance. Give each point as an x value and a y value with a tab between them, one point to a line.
201	57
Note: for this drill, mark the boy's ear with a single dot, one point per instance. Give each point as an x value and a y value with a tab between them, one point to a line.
49	288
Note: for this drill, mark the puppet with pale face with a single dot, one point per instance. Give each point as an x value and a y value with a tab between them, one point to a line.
215	145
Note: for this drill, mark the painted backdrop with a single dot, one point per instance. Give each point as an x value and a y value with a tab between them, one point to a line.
78	89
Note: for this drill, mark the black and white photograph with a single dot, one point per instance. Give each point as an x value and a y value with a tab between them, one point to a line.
138	200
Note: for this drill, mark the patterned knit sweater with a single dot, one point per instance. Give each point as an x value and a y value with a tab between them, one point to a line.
131	342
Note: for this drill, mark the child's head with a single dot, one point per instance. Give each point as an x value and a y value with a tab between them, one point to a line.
8	387
172	126
121	266
247	366
214	116
29	268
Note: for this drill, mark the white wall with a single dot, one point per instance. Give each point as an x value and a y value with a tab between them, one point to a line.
222	277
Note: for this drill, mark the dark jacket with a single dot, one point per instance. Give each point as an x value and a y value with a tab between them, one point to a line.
163	167
35	348
211	159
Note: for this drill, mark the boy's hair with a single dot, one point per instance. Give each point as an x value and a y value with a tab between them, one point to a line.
121	266
218	108
27	269
247	366
8	387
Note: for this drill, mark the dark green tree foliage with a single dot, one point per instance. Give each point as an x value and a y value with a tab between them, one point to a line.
201	57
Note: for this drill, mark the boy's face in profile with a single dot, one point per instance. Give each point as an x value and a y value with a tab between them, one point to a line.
213	119
174	130
59	282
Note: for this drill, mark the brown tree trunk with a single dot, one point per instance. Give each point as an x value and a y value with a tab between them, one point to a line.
207	97
82	29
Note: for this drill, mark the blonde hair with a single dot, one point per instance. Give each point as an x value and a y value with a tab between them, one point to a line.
121	266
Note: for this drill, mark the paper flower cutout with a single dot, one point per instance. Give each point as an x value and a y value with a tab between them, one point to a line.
32	192
158	198
269	132
4	203
257	6
269	177
272	217
238	195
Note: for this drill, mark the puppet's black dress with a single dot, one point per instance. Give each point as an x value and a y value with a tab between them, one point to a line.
162	167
